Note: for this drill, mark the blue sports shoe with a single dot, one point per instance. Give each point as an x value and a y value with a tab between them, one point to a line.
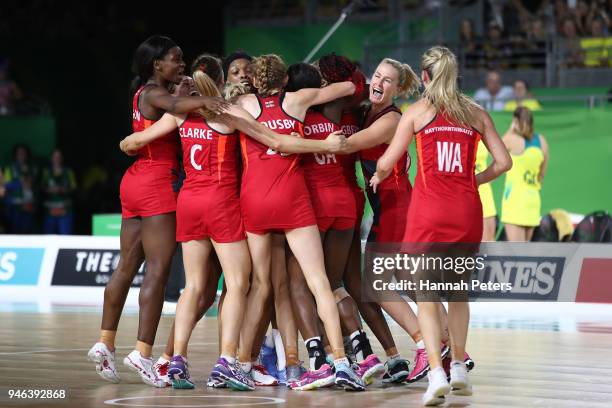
347	379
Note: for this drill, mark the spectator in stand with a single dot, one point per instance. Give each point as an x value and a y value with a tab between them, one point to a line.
469	43
599	11
59	185
9	91
534	45
496	50
571	51
522	97
20	179
561	12
594	47
580	14
493	96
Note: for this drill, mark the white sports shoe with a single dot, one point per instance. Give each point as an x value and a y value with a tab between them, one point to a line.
438	387
460	382
144	368
261	377
105	362
161	367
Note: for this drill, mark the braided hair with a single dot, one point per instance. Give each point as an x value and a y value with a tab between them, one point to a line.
269	73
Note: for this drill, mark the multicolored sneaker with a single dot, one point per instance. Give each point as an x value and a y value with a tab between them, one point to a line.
178	372
232	375
469	363
268	359
397	370
294	373
144	368
421	367
369	369
311	380
261	377
161	367
105	362
347	378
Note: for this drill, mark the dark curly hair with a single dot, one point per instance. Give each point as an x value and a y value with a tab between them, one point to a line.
336	68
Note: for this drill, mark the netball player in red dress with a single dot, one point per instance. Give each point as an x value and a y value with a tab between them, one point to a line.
148	203
335	211
274	197
208	215
445	206
390	203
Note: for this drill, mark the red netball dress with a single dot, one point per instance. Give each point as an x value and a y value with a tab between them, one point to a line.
273	194
208	205
331	195
149	186
350	123
392	198
445	204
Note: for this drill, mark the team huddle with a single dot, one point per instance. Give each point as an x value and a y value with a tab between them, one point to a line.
270	199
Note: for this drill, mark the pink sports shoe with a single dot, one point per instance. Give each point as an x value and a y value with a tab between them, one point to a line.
313	379
369	369
421	366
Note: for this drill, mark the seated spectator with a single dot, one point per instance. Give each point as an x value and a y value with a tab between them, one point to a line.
571	51
522	97
595	52
9	91
20	179
493	96
497	51
58	184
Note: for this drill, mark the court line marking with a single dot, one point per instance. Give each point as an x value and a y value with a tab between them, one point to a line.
269	401
11	353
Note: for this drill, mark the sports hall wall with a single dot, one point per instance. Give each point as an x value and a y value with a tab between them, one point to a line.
580	139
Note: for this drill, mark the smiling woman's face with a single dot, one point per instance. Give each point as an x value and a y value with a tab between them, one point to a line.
239	71
384	84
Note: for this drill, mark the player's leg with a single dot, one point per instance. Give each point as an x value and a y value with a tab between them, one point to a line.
115	293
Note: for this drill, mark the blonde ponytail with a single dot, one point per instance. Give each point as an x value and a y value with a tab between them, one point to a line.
409	82
206	87
524	122
231	91
442	90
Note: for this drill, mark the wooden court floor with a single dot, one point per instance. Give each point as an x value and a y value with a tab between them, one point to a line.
514	368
